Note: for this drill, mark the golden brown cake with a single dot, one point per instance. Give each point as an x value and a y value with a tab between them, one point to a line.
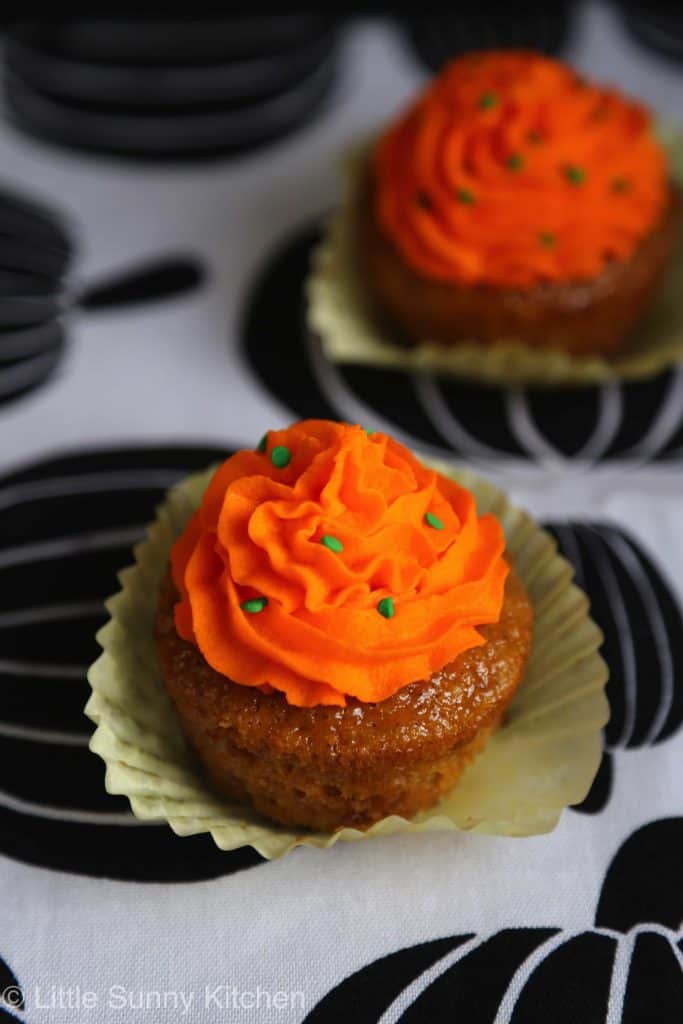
515	201
340	632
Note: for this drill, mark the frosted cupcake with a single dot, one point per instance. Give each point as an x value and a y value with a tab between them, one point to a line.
339	630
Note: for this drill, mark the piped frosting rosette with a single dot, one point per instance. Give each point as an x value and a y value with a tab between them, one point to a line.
511	170
329	562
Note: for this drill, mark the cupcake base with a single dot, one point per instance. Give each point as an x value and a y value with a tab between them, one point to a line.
330	767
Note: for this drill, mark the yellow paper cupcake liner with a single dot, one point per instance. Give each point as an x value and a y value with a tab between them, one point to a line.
342	316
543	759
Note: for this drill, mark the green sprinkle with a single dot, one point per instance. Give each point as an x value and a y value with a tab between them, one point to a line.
515	162
465	196
386	607
488	100
333	543
254	605
280	456
535	138
433	521
547	238
370	433
263	444
621	184
575	175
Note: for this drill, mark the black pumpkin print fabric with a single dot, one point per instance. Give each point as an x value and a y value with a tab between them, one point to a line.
12	1002
640	617
163	89
67	527
35	253
440	36
628	967
641	421
37	295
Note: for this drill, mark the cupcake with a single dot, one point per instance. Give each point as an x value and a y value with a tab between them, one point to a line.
339	630
516	201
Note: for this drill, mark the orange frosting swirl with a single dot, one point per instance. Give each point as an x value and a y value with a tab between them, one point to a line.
510	170
330	562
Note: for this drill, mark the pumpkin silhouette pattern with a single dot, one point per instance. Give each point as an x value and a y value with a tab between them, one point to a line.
628	967
12	1002
37	297
439	36
642	623
167	88
641	421
67	527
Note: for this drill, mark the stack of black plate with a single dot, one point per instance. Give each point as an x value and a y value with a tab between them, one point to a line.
488	25
166	89
34	255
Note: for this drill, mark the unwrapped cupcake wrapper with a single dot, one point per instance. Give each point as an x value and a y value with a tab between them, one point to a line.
342	315
543	758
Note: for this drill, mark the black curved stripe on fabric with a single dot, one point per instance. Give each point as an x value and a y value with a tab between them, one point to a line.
603	613
481	412
672	616
53	641
648	691
272	328
47	704
642	401
571	984
166	277
601	789
392	394
31	220
643	881
365	995
85	576
474	987
17	344
654	991
181	458
56	776
20	282
8	980
46	517
19	251
618	578
567	418
135	853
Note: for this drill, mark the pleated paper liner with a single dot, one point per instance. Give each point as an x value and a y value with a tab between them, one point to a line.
544	757
342	315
